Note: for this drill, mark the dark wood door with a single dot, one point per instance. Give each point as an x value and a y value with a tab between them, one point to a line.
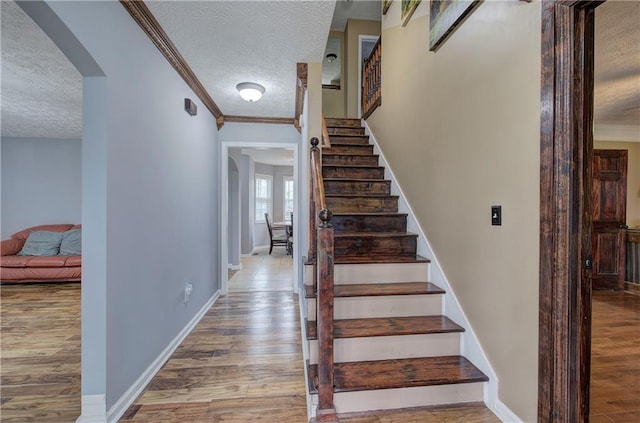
609	218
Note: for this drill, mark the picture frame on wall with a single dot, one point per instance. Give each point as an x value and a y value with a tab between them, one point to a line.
445	17
385	6
407	7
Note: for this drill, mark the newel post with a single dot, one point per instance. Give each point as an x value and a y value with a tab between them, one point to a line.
326	410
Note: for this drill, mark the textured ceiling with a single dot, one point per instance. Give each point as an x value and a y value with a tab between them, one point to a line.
41	89
228	42
617	71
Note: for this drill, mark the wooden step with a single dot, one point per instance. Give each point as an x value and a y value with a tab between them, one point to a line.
344	122
400	373
357	187
375	244
343	148
375	270
329	159
369	222
353	172
349	139
387	326
380	289
362	203
389	338
345	130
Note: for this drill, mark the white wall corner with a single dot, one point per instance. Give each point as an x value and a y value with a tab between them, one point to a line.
470	346
120	407
94	409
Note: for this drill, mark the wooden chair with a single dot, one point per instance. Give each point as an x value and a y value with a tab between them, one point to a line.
278	236
290	237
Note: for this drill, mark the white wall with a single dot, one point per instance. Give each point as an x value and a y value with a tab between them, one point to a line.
153	172
41	182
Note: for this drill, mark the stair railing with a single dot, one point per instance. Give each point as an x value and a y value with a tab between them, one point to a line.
326	141
321	244
372	80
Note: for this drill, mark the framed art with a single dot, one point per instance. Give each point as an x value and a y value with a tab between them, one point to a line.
385	6
407	9
445	17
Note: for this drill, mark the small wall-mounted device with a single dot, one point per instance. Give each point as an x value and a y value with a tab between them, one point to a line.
190	107
496	215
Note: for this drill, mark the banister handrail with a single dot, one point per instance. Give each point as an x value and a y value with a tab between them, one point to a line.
326	141
322	245
372	80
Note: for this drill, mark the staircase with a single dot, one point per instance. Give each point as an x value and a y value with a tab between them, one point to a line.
393	348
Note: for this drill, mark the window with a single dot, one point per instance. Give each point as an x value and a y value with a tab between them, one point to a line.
288	197
263	197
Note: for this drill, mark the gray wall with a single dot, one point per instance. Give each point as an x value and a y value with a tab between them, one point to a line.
41	182
151	172
234	224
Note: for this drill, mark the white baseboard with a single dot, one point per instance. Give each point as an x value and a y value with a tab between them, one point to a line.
234	267
504	413
93	409
94	406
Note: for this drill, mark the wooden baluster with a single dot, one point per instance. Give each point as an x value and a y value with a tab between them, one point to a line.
326	410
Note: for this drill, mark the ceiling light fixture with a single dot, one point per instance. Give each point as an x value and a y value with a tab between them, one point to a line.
331	57
250	91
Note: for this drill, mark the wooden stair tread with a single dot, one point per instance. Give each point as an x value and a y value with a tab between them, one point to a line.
355	180
401	373
380	289
387	326
364	214
361	195
379	259
353	165
374	234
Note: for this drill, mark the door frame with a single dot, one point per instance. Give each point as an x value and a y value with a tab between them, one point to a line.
224	207
566	139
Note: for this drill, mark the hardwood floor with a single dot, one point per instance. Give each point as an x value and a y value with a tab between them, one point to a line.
40	356
615	357
243	361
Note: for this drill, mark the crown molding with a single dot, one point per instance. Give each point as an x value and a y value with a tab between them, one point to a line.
145	19
625	133
255	119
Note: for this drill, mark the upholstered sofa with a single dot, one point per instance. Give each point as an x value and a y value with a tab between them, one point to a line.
20	262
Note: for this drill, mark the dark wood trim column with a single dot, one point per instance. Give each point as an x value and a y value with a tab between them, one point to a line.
565	204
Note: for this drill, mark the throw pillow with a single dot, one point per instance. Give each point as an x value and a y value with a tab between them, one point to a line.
42	243
71	243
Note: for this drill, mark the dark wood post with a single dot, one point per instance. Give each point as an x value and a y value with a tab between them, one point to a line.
326	410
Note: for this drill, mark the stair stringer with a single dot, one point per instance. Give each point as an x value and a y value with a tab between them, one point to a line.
470	346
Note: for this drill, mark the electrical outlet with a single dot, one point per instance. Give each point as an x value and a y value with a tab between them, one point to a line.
496	215
187	292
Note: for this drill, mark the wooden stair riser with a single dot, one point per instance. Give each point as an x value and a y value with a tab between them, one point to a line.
370	223
374	273
356	149
345	130
347	139
389	306
349	160
383	204
352	172
348	245
354	187
343	122
388	399
390	347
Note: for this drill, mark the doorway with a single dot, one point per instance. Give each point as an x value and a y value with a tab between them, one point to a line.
567	94
247	216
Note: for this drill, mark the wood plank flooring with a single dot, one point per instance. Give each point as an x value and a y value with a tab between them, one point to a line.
40	361
615	357
40	356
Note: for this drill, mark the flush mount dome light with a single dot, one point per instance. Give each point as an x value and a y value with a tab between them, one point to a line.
331	57
250	91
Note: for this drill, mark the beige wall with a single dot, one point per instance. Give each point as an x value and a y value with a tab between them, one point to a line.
334	102
461	130
355	28
633	177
